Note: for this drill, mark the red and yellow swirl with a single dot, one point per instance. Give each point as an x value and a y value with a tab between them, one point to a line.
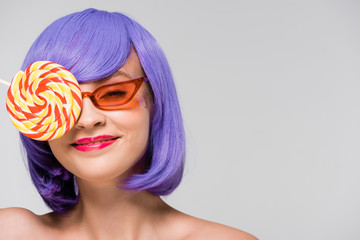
44	102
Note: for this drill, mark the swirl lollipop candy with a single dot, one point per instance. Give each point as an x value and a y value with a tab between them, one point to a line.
44	102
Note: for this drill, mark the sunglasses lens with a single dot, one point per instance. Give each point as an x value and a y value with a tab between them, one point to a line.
115	94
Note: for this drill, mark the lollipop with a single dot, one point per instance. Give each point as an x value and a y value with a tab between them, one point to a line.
44	102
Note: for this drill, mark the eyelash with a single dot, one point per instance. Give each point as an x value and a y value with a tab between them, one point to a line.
112	93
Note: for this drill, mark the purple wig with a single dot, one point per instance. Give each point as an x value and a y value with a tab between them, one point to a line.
93	45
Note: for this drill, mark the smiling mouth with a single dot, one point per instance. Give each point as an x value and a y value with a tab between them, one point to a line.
92	144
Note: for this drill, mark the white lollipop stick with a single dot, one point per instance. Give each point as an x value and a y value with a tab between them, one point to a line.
4	82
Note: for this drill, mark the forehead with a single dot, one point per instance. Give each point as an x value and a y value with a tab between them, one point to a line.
132	66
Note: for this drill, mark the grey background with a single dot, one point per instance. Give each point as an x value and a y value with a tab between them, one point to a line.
270	97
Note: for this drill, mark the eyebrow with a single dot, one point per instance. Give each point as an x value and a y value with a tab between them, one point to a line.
117	73
120	73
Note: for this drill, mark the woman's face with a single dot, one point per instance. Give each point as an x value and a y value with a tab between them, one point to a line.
105	145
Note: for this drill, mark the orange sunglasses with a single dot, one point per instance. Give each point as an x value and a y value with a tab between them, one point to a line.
114	95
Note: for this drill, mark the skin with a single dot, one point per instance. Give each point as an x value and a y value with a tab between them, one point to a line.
105	211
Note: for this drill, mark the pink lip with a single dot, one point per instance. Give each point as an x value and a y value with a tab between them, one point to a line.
94	143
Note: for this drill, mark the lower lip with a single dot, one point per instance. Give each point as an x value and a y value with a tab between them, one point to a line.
94	146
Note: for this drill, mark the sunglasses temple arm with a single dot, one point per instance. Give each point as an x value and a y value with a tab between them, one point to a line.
4	82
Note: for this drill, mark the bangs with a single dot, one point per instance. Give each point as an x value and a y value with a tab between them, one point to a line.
91	44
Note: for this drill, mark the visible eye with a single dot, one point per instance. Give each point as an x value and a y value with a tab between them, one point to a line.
114	94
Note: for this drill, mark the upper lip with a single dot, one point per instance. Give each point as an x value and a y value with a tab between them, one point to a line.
89	140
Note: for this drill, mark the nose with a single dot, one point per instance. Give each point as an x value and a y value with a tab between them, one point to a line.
90	116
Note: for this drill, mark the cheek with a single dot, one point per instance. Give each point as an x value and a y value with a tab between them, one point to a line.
135	123
135	126
133	116
59	147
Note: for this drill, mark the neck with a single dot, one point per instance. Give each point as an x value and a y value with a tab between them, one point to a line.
105	210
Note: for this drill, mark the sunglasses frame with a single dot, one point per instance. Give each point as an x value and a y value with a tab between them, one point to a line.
91	95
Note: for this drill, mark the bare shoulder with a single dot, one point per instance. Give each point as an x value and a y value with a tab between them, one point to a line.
211	230
196	228
18	223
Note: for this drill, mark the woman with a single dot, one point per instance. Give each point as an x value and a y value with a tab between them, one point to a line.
104	176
